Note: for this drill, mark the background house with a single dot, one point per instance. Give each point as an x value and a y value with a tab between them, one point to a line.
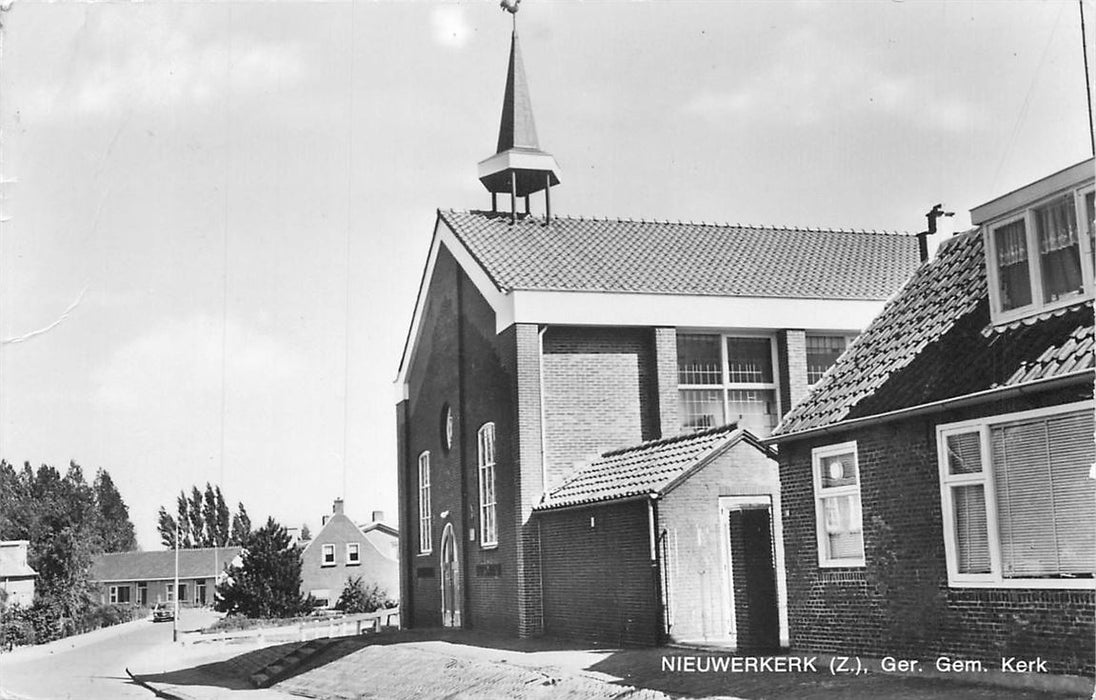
16	576
938	482
340	551
145	578
539	342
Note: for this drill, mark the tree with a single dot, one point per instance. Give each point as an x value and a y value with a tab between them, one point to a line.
306	534
115	528
67	522
356	597
203	520
241	526
268	581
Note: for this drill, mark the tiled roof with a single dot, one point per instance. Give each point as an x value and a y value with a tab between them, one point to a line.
660	257
137	566
641	470
933	342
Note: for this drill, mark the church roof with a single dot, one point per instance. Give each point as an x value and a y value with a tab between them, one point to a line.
662	257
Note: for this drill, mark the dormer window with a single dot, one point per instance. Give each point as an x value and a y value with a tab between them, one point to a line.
1040	256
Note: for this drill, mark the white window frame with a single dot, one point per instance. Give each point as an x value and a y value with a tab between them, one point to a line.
993	579
327	555
353	554
820	493
426	538
848	338
1035	270
170	593
726	386
488	497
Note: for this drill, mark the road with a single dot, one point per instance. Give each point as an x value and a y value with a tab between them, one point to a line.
91	666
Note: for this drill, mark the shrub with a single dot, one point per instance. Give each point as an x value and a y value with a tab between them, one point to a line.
356	597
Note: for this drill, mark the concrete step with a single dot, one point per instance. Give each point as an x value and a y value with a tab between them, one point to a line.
279	668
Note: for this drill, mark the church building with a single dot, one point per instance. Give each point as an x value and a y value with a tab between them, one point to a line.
581	401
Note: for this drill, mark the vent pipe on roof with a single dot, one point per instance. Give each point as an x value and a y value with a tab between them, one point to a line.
923	238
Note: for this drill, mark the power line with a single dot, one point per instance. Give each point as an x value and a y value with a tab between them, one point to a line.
1088	84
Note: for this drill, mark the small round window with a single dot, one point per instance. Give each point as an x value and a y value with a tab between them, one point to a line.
447	426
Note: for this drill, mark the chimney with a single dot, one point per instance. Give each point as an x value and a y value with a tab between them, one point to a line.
923	238
337	506
378	516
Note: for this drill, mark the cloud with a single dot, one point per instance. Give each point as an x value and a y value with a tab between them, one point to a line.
811	78
450	26
128	63
175	368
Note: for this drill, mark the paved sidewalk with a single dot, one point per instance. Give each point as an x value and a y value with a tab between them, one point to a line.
429	664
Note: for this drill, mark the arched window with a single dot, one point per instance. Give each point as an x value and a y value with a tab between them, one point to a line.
425	534
489	535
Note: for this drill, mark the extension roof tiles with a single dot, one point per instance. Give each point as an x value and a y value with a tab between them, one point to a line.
662	257
933	341
646	469
153	566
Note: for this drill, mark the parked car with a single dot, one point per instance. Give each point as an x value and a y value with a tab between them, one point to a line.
162	612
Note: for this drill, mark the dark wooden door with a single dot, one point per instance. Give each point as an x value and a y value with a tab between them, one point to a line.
754	575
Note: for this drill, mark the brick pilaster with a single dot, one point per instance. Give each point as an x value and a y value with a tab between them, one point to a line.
666	363
530	481
791	347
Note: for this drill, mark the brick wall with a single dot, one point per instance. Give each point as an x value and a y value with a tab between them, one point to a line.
666	372
601	393
900	603
694	533
791	353
599	584
463	363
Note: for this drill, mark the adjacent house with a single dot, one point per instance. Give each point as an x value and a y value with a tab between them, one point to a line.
145	578
16	577
937	484
341	551
540	344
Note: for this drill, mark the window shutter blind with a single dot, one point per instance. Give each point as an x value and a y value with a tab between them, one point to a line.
971	534
1072	452
1044	496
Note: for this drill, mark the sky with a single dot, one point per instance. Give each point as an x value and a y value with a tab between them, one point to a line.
214	216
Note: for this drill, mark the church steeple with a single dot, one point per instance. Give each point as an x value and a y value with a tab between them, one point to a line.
518	168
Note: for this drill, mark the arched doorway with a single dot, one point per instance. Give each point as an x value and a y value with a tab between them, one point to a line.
450	579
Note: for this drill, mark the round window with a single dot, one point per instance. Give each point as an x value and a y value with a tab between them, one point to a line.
447	427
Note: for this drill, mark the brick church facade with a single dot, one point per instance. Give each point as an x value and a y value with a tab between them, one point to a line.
544	347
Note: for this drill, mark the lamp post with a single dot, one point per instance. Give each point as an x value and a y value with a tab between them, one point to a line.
175	591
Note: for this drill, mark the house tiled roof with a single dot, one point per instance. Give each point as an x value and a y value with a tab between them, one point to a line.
933	341
138	566
641	470
659	257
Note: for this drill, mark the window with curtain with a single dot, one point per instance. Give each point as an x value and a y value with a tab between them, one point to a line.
1013	276
1059	249
1018	500
328	555
1042	257
489	536
840	523
425	534
724	379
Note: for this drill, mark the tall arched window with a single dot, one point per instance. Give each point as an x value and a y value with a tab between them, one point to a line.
425	534
489	535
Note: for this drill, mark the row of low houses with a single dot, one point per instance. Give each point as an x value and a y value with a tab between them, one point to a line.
341	550
641	432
